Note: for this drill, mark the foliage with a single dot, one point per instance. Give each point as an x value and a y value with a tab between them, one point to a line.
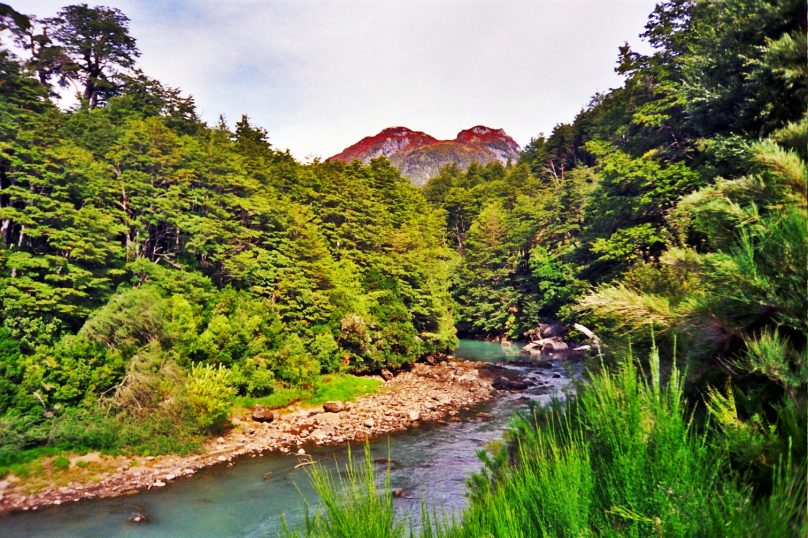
208	394
148	259
612	189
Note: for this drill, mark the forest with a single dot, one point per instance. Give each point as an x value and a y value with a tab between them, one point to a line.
154	268
155	271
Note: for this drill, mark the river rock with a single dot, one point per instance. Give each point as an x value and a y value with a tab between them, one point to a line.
387	375
503	383
138	517
414	415
369	423
333	407
467	378
262	414
555	345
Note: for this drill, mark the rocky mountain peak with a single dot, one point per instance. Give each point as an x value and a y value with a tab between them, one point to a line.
481	132
420	156
387	142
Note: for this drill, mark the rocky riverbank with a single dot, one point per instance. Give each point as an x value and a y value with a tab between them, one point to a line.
426	393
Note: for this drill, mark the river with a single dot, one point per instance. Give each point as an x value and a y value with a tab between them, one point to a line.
429	462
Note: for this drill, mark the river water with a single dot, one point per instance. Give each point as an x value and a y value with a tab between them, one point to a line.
429	462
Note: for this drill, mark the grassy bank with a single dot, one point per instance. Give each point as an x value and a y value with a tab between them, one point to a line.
77	434
342	387
624	458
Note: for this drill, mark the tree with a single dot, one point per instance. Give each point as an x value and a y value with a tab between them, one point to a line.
98	43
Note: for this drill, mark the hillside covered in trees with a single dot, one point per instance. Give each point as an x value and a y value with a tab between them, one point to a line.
153	267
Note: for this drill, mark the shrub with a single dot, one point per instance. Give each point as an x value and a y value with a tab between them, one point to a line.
253	377
325	350
130	320
294	364
241	326
9	368
60	463
76	370
86	429
208	394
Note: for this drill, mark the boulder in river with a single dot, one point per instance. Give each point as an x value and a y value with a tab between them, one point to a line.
503	383
139	515
262	414
555	344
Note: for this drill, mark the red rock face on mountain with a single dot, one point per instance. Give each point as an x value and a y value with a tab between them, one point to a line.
419	156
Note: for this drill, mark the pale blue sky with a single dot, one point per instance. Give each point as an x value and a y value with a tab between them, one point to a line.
320	74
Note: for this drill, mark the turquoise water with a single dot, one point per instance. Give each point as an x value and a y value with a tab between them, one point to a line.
478	350
430	462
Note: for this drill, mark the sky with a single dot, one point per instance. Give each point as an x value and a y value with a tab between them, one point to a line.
321	74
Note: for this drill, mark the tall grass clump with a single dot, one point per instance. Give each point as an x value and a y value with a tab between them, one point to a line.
353	504
623	458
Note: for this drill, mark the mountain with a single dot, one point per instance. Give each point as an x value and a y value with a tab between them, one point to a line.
420	156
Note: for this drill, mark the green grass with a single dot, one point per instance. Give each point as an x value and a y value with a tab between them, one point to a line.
280	397
60	463
621	459
23	462
343	387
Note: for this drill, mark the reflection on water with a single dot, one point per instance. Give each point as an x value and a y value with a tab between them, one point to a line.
430	462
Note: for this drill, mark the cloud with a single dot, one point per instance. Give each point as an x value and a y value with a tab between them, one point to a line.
321	74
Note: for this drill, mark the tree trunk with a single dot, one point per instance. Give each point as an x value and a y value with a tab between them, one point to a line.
5	231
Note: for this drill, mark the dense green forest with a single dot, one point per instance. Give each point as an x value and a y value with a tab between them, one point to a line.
152	267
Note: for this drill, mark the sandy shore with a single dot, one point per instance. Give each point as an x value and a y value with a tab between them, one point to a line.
426	393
